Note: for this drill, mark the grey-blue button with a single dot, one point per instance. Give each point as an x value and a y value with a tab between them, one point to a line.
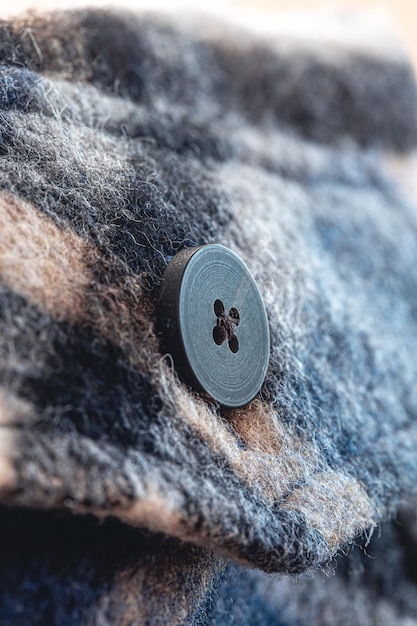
214	324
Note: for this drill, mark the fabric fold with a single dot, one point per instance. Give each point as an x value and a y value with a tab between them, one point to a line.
124	138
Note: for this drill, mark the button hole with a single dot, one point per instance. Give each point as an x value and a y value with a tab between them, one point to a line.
225	326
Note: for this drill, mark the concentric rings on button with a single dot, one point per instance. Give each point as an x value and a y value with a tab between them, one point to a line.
214	324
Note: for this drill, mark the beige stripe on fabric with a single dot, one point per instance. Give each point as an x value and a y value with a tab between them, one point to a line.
276	463
11	411
335	504
8	475
41	261
52	268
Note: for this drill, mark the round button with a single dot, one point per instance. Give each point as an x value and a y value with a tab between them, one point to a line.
214	324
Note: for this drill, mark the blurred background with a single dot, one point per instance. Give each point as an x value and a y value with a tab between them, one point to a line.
401	13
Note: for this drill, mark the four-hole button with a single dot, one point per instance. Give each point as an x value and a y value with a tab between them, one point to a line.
214	324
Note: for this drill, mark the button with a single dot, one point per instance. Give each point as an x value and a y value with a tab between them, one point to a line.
214	324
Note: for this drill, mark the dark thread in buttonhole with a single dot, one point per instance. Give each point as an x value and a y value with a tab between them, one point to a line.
226	326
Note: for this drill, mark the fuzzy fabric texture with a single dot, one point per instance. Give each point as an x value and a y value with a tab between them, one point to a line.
124	138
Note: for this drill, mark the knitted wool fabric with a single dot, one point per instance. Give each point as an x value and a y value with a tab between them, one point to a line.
126	497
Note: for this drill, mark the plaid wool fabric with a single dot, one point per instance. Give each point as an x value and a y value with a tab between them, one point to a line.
126	497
